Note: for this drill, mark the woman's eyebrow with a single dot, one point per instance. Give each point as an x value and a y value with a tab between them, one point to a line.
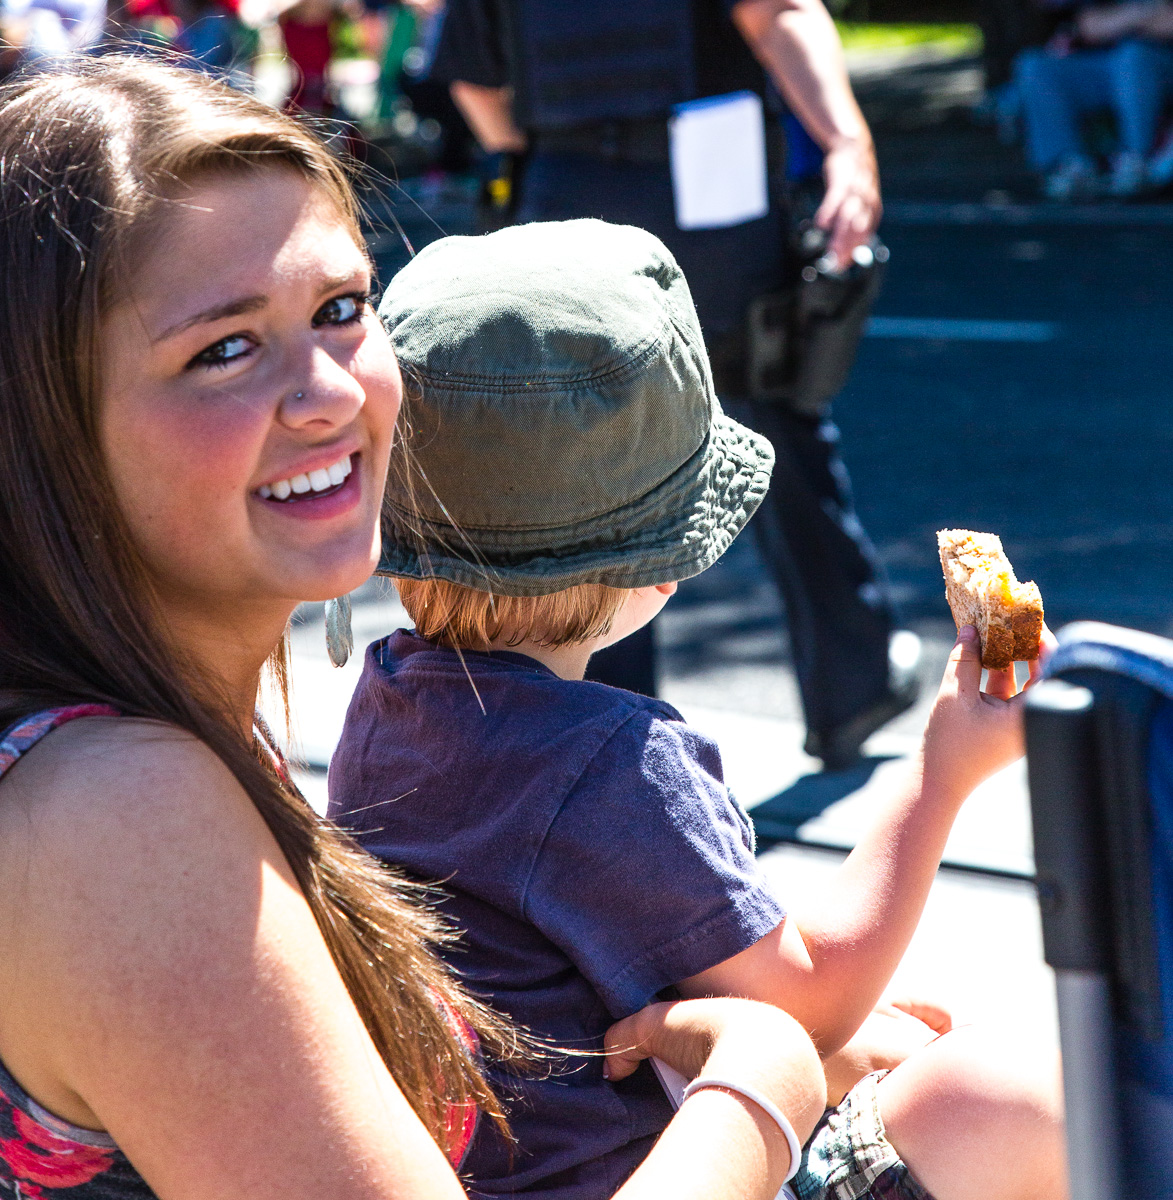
245	304
232	308
334	282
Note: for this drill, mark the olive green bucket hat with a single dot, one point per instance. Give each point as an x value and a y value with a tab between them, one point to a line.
560	424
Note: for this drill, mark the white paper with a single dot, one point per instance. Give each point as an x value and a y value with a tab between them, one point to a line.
717	148
671	1081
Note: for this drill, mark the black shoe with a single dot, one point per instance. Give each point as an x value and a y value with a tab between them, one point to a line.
839	748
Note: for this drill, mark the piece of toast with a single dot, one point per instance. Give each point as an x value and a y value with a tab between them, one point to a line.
982	591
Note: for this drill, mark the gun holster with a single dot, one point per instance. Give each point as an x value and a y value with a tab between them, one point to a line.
801	341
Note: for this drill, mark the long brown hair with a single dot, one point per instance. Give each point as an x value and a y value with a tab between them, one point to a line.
88	155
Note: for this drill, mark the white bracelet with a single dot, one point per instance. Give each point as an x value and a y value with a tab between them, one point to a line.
766	1105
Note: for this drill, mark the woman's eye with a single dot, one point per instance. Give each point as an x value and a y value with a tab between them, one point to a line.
224	352
342	310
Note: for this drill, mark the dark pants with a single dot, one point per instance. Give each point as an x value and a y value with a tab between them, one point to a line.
836	597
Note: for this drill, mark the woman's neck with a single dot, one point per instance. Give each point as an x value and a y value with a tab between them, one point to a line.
230	652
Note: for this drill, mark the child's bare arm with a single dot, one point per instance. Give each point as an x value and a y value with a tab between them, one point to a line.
829	962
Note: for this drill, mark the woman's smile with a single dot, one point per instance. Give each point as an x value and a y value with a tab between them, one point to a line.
316	481
316	493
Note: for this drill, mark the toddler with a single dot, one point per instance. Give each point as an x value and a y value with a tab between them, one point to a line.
565	463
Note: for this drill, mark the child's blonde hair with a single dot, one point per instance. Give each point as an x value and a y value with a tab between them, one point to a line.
468	619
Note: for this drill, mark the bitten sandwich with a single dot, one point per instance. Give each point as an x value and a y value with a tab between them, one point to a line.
982	591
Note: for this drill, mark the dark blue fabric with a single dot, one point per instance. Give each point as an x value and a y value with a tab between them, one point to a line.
725	268
1161	791
1150	1063
591	854
585	62
1145	1066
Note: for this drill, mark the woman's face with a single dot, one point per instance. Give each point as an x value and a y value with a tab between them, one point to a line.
248	399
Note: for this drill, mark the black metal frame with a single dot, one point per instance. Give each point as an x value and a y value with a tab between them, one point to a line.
1087	738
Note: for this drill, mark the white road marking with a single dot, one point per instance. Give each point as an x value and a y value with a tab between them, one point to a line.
952	329
941	212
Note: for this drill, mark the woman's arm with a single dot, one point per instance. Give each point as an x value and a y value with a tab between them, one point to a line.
164	980
721	1146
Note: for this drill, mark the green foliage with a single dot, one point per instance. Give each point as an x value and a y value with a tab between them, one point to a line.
870	36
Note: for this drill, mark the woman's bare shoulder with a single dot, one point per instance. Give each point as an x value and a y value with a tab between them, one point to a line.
112	821
111	771
163	978
132	870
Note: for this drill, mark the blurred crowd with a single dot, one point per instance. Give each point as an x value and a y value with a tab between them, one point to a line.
1087	89
362	61
1084	85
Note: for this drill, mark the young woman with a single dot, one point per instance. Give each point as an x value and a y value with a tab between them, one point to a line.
206	991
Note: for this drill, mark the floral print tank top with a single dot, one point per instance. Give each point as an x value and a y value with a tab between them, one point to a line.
43	1157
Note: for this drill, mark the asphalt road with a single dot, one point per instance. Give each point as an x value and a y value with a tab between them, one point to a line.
1063	447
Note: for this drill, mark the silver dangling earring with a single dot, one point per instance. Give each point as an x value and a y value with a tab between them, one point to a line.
339	635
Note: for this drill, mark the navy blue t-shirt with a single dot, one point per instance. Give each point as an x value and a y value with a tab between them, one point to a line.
591	855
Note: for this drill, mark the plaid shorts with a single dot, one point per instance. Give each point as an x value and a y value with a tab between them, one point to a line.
849	1157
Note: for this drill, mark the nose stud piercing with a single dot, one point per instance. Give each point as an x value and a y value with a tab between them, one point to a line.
299	395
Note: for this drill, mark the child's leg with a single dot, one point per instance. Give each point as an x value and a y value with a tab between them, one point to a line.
978	1117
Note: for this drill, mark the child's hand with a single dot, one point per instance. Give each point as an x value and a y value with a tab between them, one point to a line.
972	734
756	1044
892	1032
684	1033
933	1016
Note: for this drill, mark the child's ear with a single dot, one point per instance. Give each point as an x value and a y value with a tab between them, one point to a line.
666	589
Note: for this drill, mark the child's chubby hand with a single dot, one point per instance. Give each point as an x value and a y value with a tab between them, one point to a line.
893	1030
972	734
693	1035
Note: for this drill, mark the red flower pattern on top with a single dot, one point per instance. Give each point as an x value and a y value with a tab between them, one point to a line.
38	1156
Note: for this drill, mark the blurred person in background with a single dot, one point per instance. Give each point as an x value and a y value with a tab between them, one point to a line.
1115	57
41	31
306	30
212	32
1009	27
585	91
415	30
208	34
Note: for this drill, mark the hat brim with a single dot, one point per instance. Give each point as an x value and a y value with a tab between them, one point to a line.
676	531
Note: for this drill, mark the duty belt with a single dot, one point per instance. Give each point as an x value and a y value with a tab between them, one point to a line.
642	141
639	141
